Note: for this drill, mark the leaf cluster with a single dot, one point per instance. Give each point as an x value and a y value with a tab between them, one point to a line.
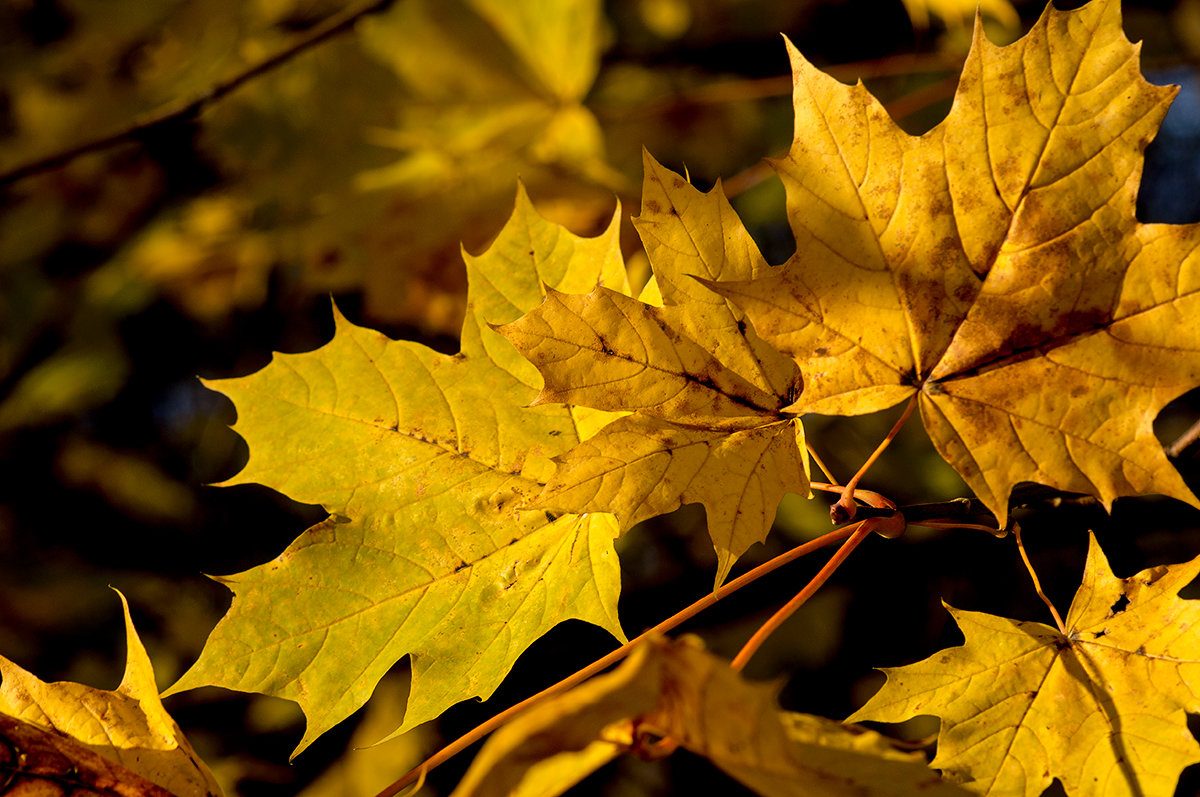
990	277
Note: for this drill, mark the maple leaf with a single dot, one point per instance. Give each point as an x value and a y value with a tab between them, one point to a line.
422	460
128	726
41	763
490	82
707	394
994	266
1102	707
678	690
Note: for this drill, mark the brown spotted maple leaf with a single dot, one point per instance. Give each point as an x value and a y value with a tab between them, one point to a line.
994	266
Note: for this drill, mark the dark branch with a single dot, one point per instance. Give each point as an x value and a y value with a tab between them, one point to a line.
332	26
962	510
972	511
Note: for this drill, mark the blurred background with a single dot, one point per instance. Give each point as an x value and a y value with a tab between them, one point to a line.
222	214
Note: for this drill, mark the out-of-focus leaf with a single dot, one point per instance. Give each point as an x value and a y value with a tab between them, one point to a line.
677	690
959	13
64	384
206	256
129	482
366	163
490	84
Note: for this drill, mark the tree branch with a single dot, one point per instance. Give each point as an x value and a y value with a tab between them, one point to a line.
330	27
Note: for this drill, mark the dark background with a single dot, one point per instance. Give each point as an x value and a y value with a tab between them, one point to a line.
108	438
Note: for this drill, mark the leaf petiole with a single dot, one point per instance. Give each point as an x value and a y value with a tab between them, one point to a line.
844	509
1037	586
812	452
858	532
482	730
868	496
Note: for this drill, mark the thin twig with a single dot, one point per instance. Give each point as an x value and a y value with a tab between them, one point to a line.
1037	586
736	90
844	509
749	177
860	532
1185	442
469	738
330	27
812	452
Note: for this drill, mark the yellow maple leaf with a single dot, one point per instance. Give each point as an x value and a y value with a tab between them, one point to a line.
676	689
423	461
128	726
708	395
491	88
1102	707
994	266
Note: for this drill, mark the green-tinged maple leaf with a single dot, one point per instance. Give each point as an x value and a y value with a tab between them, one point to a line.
994	265
128	726
707	394
676	689
423	461
1102	708
511	276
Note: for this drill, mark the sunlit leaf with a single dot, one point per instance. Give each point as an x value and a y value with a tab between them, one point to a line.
994	266
424	462
128	726
1103	707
